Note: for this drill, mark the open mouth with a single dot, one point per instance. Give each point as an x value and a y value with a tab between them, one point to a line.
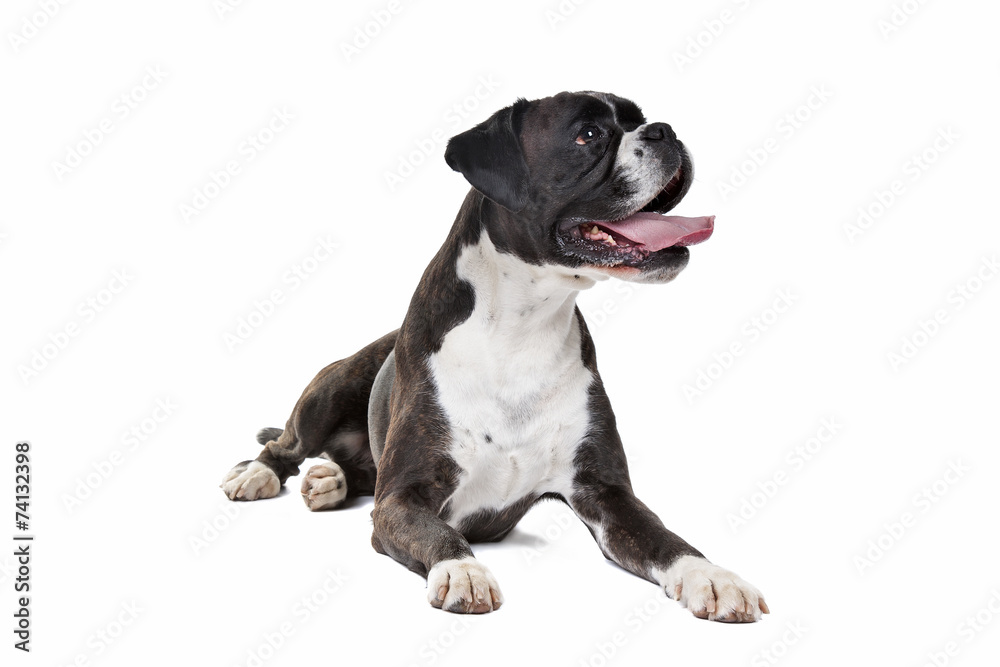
632	240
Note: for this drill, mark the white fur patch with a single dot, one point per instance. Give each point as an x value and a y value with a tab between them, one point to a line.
512	383
463	585
644	174
712	592
324	486
255	482
348	444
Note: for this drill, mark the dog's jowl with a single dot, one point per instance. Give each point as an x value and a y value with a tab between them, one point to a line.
487	399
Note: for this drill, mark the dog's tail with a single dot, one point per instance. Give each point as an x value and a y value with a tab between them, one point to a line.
266	435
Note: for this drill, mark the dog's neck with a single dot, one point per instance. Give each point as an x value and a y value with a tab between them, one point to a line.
517	299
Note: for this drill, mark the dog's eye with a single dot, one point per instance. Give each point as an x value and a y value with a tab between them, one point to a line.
587	134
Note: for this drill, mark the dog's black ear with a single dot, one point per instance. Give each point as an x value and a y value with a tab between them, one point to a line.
490	157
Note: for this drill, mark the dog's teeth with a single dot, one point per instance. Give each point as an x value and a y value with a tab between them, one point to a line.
595	230
611	241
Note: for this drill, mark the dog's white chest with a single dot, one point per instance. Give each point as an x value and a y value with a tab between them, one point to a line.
514	389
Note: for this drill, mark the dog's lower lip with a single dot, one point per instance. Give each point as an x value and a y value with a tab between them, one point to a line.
601	246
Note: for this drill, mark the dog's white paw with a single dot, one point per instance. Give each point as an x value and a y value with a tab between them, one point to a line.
463	586
713	592
250	480
324	486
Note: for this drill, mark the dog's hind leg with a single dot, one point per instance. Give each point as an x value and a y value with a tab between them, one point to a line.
348	471
329	420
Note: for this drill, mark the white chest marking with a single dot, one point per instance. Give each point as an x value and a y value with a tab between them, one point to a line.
511	382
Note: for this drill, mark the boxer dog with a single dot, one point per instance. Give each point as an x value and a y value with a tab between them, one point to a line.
487	399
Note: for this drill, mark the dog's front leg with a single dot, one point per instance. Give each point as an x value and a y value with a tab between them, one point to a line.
407	530
632	536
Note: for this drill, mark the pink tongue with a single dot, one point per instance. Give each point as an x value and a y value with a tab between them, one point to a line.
657	232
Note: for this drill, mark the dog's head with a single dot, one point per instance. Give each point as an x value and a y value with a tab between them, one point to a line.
583	181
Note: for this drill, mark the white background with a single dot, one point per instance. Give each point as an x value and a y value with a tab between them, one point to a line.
142	535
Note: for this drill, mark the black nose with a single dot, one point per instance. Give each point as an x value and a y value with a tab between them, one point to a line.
657	132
